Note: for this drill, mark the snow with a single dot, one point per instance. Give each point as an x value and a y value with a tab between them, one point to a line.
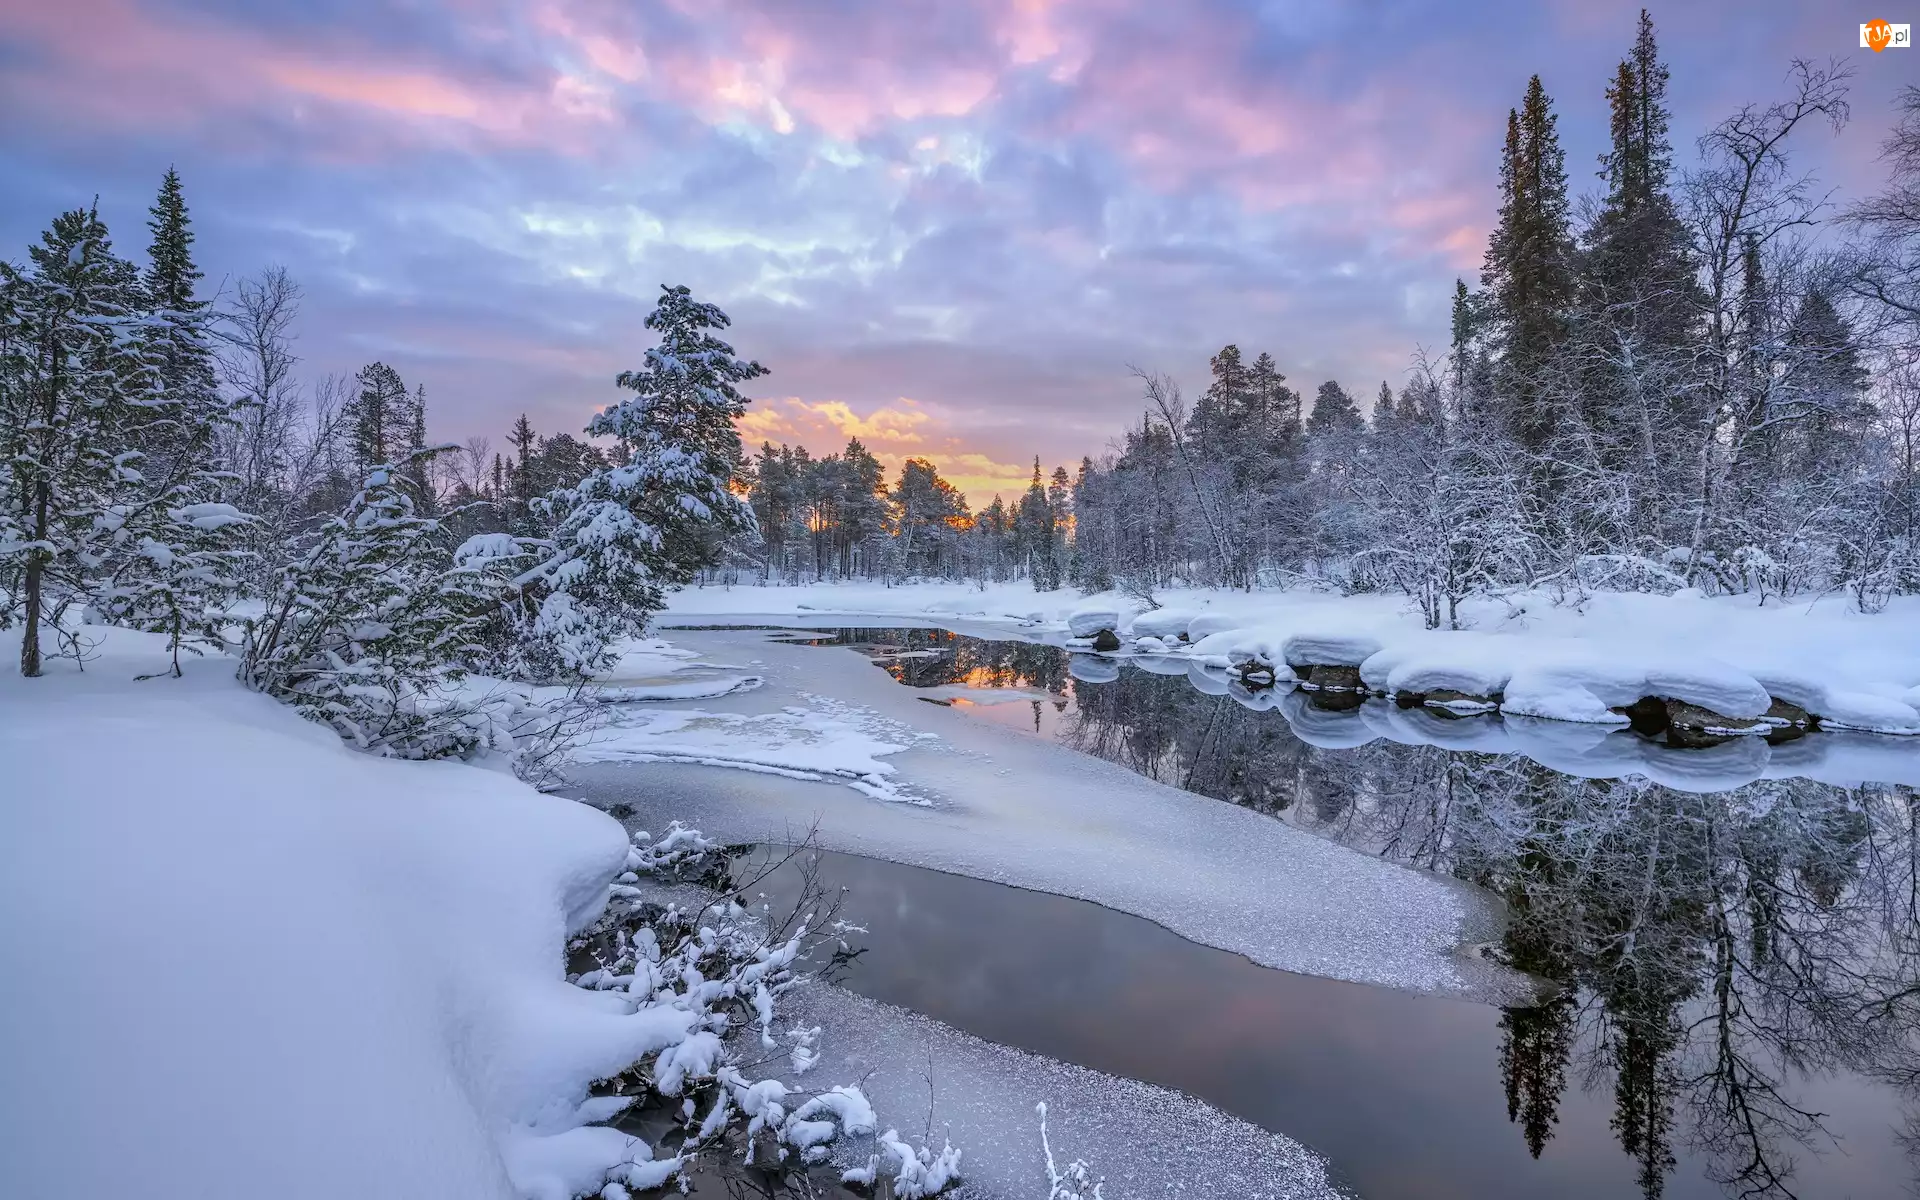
1165	623
823	739
650	669
1329	649
1090	619
1006	806
1568	662
235	947
1145	1140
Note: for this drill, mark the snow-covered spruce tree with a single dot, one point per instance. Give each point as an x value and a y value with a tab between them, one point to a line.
178	566
371	624
79	385
626	533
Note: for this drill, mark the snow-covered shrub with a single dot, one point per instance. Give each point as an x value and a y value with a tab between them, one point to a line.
912	1172
369	628
1075	1181
181	572
712	977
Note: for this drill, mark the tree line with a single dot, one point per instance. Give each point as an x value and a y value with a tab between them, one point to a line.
1704	378
164	466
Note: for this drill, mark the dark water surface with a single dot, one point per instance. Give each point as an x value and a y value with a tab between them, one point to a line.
1403	1093
1738	956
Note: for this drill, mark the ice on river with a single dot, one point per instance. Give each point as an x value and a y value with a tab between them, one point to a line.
822	739
1019	810
1141	1138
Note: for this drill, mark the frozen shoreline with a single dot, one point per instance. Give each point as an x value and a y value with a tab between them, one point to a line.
1853	671
1012	809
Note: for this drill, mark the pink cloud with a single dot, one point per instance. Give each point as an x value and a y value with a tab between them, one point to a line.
118	63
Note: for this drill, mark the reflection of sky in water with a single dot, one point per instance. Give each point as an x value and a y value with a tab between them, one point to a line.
1404	1093
1734	929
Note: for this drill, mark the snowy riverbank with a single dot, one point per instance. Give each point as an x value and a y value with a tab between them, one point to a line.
241	956
1727	655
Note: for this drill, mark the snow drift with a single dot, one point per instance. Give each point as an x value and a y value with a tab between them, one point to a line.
234	949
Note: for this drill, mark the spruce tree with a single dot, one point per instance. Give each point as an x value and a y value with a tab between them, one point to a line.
79	390
417	458
1639	302
1528	272
626	533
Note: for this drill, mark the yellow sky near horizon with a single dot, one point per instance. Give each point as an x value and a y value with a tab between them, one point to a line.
893	433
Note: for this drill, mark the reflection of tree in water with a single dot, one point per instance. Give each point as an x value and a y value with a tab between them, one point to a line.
1712	949
936	657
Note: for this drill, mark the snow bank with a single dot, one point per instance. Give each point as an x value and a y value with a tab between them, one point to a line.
241	959
1145	1140
1089	619
1165	623
1565	662
1331	649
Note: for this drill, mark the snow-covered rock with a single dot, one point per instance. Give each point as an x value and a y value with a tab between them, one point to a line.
1329	649
1207	624
1868	712
1709	684
1089	619
1163	623
1469	663
1575	689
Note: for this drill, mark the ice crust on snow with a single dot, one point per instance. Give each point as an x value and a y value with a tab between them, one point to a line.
1138	1136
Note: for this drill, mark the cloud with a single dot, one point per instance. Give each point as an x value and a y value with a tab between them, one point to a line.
991	206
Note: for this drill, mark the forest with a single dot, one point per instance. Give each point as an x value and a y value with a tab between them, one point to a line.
1695	378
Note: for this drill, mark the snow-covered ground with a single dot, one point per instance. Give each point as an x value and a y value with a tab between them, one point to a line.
1015	809
1145	1140
1729	655
242	959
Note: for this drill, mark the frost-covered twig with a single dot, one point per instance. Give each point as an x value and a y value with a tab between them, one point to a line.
1075	1181
705	982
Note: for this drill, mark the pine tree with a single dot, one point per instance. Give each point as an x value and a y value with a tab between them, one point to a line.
1639	302
1033	533
523	473
417	457
187	356
379	418
927	513
180	564
1334	410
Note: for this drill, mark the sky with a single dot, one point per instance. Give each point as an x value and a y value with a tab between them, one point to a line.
947	227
